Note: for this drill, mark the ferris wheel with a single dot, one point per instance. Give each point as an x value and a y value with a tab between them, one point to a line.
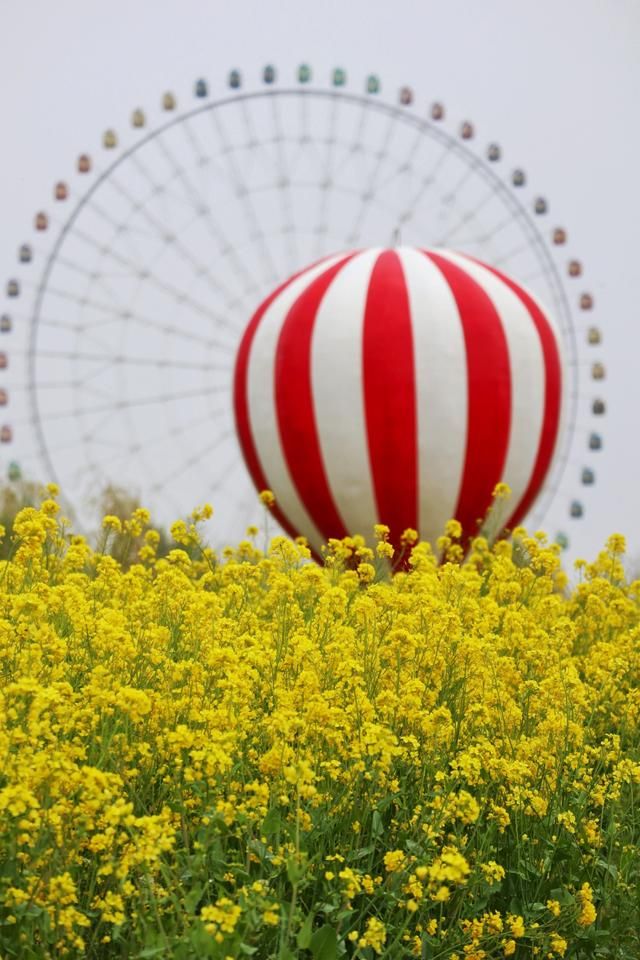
124	313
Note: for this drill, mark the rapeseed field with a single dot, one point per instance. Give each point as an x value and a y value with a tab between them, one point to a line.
253	755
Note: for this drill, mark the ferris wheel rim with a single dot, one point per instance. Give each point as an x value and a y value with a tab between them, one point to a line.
381	106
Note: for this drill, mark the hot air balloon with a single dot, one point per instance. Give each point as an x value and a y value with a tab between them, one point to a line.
398	387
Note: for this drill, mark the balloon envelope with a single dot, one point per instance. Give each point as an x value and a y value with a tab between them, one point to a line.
399	387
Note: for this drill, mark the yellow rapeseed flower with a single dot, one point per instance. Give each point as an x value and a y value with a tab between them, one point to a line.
205	741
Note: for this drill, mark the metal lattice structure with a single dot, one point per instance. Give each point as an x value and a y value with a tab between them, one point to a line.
126	310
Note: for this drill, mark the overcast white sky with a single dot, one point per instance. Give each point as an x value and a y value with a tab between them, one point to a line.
557	82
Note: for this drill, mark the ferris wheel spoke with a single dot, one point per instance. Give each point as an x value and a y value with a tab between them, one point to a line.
145	274
354	147
252	139
304	144
116	405
373	184
92	374
128	450
283	186
505	258
61	385
197	268
180	333
94	431
196	458
459	185
94	277
123	230
213	227
82	329
417	143
82	301
162	189
231	467
209	161
428	180
248	122
301	151
58	385
90	338
130	264
247	505
77	328
243	194
468	217
128	360
532	277
451	196
102	284
491	232
72	447
550	274
303	114
202	161
130	317
326	181
407	167
195	202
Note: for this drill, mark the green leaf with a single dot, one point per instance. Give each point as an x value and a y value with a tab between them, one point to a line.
201	944
377	827
324	943
328	909
561	895
285	954
609	867
414	847
296	869
192	899
359	854
272	823
344	915
257	847
304	934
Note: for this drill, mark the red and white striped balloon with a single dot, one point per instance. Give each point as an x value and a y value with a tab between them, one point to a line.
397	386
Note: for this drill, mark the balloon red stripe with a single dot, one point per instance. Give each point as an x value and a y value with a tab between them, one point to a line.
241	404
295	407
484	381
488	394
552	399
388	371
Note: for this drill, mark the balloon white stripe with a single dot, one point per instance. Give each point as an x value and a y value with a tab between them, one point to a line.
441	391
262	405
339	399
526	364
460	451
565	400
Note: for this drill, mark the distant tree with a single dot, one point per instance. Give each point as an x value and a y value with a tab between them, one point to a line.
113	501
13	497
122	544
